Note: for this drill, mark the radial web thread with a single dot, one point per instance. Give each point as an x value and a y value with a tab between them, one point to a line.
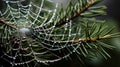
43	44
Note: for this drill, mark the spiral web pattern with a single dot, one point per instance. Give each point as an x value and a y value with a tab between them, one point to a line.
33	41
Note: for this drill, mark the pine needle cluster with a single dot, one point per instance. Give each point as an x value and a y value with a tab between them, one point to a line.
32	33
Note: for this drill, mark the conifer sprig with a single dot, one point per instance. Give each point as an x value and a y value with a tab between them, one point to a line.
76	12
89	36
47	35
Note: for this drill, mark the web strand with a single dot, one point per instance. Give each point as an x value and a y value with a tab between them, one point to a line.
41	42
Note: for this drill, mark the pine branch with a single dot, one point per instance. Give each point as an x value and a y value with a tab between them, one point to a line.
62	22
51	36
75	12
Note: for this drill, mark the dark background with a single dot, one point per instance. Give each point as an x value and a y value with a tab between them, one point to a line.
113	12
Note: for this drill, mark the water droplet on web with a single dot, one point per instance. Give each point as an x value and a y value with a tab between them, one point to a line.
73	50
54	26
7	1
62	47
15	64
11	63
22	63
65	28
67	19
69	35
14	58
30	5
52	45
46	61
24	31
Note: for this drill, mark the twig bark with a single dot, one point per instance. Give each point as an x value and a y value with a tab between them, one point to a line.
91	39
7	24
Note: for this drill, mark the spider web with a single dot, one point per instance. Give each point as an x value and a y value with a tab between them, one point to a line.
42	44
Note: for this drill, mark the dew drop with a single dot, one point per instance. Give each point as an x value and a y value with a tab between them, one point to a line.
30	5
74	51
69	35
46	61
16	64
14	58
6	1
52	45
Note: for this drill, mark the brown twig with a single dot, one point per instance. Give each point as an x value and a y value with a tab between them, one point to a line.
7	24
86	40
91	39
